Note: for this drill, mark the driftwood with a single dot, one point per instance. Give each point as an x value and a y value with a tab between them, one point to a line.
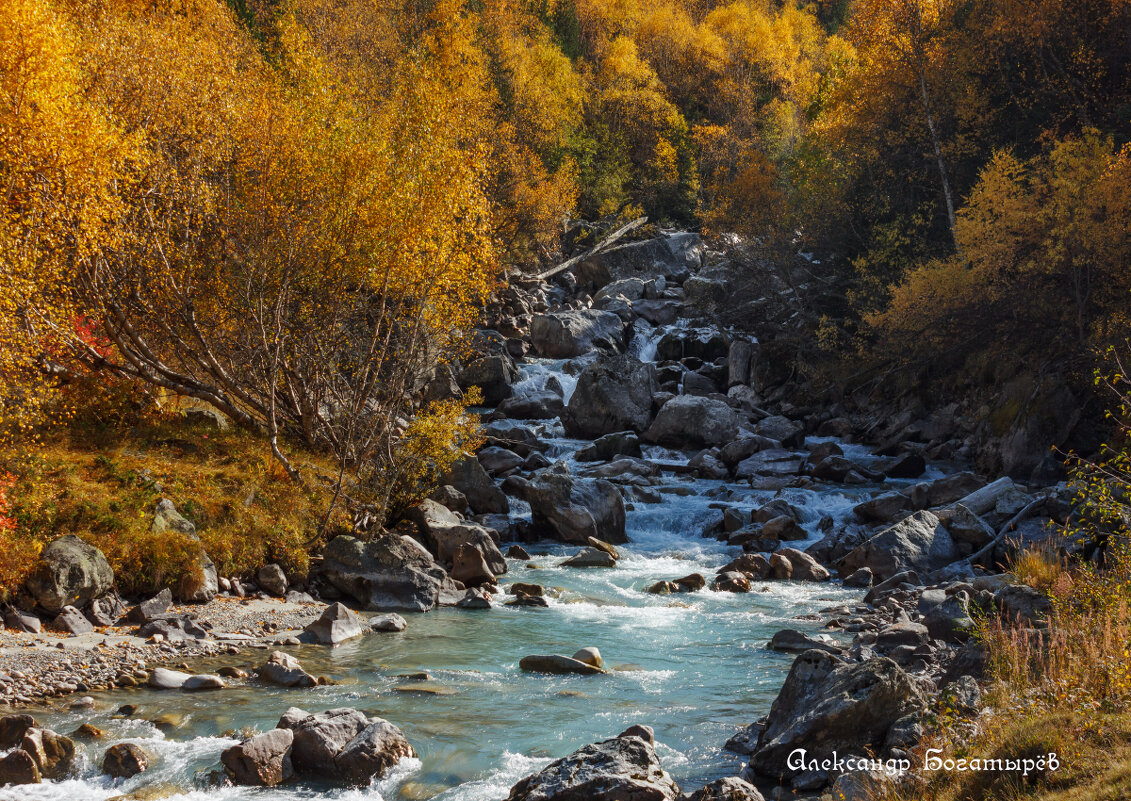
1007	528
600	246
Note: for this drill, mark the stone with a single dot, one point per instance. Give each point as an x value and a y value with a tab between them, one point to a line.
53	753
470	568
859	578
609	446
731	581
1022	605
203	681
467	476
105	611
919	542
627	288
752	565
739	358
568	334
496	460
390	622
621	769
450	498
372	753
645	733
790	433
165	679
575	509
966	527
389	573
590	656
475	598
13	728
284	670
153	608
784	527
781	567
909	465
72	621
793	641
518	552
493	374
731	788
613	395
557	664
667	256
319	738
200	584
590	557
443	533
263	760
18	767
693	422
773	462
540	404
827	705
167	518
336	625
272	580
124	761
69	572
804	567
691	582
23	621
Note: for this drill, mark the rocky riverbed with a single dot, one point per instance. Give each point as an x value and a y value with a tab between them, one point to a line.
660	538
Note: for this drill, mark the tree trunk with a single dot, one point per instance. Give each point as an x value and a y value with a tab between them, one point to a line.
947	195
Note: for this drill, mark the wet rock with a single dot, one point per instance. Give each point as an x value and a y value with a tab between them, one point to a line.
165	679
272	580
590	656
470	568
752	565
203	681
706	464
493	374
468	477
781	567
784	528
731	788
610	446
693	422
475	598
18	767
793	641
390	573
372	753
124	761
804	567
918	542
576	509
540	404
518	552
522	588
71	621
13	728
319	738
745	740
336	625
731	581
390	622
621	769
909	465
557	664
664	588
691	582
590	557
53	753
566	334
613	395
263	760
859	578
69	572
284	670
826	705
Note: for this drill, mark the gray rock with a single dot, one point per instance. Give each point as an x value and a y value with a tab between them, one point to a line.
272	580
390	573
645	259
165	679
540	404
1023	605
167	518
590	557
71	621
263	760
105	611
918	542
613	394
859	578
731	788
621	769
796	642
319	738
805	567
566	334
496	460
284	670
693	422
390	622
773	462
203	681
450	498
23	621
557	664
153	608
609	446
336	625
470	568
493	374
443	533
468	476
69	572
372	753
575	509
827	705
790	433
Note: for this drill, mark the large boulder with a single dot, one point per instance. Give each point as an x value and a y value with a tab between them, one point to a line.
828	705
575	509
319	738
673	256
69	573
124	761
566	334
688	421
919	542
622	769
731	788
468	476
18	767
53	753
390	573
613	394
263	760
494	375
443	533
336	625
372	753
284	670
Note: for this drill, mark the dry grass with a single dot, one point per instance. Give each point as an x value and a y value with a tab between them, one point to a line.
102	484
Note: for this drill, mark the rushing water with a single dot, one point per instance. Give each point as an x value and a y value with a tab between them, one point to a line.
693	666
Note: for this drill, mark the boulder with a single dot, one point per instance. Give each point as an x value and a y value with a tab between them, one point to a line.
336	625
796	642
621	769
470	568
493	374
774	462
575	509
613	394
589	655
18	767
13	728
165	679
443	533
105	611
781	567
284	670
790	433
609	446
69	572
804	567
390	573
468	476
541	404
784	527
72	621
124	761
909	465
693	422
272	580
627	288
153	608
372	753
731	581
731	788
390	622
1023	605
203	681
263	760
496	460
319	738
645	260
567	334
919	542
753	566
828	705
23	621
53	753
859	578
201	583
166	518
450	498
590	557
557	664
